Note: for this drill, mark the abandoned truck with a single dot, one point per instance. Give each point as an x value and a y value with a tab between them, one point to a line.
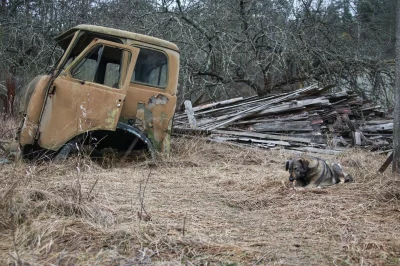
112	87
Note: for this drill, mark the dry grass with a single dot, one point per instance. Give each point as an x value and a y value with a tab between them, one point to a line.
205	204
8	127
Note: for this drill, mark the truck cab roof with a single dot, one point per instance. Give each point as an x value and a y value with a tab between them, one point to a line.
64	38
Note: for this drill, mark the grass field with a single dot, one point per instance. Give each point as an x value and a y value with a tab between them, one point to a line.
206	204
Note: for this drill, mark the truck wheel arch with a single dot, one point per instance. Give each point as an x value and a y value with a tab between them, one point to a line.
139	134
131	134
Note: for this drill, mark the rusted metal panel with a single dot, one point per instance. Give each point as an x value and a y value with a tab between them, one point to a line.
173	68
75	108
153	108
31	105
152	116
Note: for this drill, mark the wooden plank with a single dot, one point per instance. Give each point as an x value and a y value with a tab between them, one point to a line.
273	110
203	122
221	103
280	113
129	150
386	151
260	120
190	114
364	138
213	120
376	137
387	162
297	126
337	95
262	136
377	128
316	150
257	109
315	138
376	122
321	101
244	104
275	142
337	140
370	108
280	109
357	138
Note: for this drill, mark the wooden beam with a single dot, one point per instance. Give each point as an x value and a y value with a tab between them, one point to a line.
259	108
387	162
262	136
316	150
221	103
377	128
297	126
251	140
190	114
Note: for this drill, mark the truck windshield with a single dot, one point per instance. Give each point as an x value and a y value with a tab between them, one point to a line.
82	42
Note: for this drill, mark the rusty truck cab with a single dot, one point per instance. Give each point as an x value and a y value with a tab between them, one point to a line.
116	85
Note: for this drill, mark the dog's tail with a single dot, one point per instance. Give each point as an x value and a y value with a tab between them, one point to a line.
337	168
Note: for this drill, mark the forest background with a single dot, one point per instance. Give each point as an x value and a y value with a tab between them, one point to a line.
228	48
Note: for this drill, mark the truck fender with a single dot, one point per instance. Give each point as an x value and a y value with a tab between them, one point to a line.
139	134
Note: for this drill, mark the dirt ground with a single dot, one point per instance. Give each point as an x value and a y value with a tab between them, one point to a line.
207	204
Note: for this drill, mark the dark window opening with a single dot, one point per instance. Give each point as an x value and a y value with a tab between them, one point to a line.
151	68
101	65
82	42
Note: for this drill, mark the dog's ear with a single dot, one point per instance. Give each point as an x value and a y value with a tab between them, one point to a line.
304	163
288	163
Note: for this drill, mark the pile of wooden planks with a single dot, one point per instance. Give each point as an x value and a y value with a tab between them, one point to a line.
309	119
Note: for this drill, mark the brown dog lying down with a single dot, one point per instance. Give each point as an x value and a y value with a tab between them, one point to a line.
308	171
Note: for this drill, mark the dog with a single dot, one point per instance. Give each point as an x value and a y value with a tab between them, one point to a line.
308	171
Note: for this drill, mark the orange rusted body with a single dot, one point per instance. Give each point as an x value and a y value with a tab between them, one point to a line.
105	78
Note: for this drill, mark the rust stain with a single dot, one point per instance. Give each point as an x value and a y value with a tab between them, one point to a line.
31	105
110	120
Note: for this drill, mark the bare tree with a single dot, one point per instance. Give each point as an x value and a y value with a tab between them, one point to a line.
228	47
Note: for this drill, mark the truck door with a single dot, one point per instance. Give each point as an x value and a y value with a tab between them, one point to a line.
88	95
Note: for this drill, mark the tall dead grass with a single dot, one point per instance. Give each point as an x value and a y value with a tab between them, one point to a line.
8	128
59	214
47	216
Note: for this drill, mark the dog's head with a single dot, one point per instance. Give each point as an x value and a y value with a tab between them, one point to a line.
297	168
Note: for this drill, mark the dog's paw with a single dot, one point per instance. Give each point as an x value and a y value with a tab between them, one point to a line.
348	179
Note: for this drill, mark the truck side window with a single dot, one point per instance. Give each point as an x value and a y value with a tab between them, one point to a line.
151	68
101	65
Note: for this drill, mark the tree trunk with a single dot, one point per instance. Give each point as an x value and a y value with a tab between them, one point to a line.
396	116
11	88
4	7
